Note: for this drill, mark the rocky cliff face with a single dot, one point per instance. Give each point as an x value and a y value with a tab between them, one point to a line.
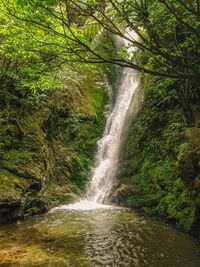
47	142
160	160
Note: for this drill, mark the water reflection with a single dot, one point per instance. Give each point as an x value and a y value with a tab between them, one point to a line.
102	237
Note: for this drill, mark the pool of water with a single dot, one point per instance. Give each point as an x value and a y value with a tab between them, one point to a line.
99	237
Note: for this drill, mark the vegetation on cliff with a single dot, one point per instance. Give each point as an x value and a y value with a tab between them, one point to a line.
51	116
48	140
160	169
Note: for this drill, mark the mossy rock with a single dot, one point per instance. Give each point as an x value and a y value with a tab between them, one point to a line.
47	149
10	181
193	135
22	163
188	165
162	151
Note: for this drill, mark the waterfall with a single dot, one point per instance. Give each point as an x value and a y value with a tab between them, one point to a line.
106	161
108	148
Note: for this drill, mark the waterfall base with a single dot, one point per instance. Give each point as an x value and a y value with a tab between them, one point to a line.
84	205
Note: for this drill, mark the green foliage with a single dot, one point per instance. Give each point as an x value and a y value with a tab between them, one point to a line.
82	131
10	180
149	158
183	146
48	139
41	36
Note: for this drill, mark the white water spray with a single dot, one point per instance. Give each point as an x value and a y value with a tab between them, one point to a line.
106	161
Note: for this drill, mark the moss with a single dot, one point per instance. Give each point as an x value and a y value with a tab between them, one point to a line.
162	152
193	135
197	183
95	96
15	158
47	149
11	182
84	125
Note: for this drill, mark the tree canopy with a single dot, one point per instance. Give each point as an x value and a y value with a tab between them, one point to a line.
50	33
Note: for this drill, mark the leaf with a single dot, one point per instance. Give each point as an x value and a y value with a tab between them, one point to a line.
41	31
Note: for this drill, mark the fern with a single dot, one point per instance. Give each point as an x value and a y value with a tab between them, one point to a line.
91	28
98	38
94	31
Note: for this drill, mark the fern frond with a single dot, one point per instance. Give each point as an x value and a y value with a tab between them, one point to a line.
98	38
95	32
91	29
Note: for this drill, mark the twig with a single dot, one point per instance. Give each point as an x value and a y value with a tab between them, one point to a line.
20	127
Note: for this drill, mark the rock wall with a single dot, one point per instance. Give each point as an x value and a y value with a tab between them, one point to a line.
160	161
47	142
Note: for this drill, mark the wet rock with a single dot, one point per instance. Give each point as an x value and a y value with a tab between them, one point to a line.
50	239
119	193
123	188
188	164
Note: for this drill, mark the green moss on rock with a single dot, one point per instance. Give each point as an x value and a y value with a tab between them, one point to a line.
193	135
11	182
162	153
47	150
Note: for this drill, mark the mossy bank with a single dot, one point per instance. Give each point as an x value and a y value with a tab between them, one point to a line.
47	142
160	160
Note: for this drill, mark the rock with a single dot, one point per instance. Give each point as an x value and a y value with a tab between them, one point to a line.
123	189
119	193
193	135
188	160
188	164
46	146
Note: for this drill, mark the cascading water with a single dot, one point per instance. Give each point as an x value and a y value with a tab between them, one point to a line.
106	161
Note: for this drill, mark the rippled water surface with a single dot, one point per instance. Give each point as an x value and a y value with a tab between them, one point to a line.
102	237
